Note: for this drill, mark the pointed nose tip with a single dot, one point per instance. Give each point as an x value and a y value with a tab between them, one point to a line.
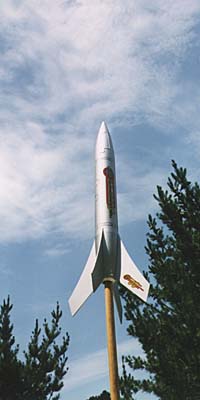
104	141
103	127
103	130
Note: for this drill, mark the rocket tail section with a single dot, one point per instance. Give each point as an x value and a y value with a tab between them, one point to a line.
130	276
94	274
99	275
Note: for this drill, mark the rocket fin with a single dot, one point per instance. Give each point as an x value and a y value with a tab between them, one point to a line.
89	281
84	286
117	300
131	277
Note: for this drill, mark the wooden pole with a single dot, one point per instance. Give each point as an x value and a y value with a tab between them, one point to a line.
111	341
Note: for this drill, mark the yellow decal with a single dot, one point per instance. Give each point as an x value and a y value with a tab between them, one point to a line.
133	283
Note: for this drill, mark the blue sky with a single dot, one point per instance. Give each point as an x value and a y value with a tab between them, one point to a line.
65	66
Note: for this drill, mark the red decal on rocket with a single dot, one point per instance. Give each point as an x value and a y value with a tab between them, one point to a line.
110	190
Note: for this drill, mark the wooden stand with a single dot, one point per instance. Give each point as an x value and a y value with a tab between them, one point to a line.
111	341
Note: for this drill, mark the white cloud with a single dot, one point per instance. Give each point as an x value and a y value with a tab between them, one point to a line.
94	366
41	184
103	57
65	66
47	185
56	251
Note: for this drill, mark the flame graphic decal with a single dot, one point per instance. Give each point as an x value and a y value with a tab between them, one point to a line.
133	283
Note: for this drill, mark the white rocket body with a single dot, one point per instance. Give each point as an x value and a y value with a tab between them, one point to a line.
106	223
108	259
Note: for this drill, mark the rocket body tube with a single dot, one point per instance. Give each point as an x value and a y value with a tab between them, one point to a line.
106	220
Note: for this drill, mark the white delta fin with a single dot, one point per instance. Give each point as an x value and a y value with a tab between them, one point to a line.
131	277
89	281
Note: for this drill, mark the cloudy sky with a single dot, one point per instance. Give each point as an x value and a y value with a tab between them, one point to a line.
64	67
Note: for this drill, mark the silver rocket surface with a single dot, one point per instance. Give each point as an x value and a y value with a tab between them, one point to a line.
108	259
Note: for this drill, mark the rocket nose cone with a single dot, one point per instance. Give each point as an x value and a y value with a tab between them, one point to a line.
103	127
103	139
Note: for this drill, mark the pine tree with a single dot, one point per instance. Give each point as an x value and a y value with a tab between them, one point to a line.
40	375
168	327
10	367
103	396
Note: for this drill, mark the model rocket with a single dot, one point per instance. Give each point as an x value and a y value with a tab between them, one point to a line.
108	259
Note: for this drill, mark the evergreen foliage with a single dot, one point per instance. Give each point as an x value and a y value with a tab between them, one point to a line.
168	327
40	375
10	367
103	396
